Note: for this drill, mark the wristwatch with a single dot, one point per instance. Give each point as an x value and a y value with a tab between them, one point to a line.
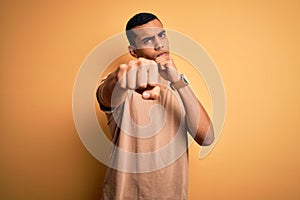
182	82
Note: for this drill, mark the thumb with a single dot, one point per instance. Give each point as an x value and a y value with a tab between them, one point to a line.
152	94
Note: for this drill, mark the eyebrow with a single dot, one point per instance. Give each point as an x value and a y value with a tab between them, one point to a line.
152	37
162	32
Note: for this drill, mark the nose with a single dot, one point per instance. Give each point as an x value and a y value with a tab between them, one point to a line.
158	44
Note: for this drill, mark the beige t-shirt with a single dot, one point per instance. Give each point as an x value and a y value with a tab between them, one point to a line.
149	158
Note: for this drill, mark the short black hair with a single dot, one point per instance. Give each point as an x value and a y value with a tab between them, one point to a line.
137	20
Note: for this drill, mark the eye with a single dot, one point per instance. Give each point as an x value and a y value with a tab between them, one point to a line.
162	35
147	41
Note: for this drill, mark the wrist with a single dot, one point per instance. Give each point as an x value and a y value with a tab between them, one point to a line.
175	78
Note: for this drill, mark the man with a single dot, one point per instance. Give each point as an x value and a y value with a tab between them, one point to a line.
150	156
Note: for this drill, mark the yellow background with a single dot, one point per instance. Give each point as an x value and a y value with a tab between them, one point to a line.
255	45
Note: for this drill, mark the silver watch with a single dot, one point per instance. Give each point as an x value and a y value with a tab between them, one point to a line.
182	82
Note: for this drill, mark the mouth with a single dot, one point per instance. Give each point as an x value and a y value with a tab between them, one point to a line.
162	54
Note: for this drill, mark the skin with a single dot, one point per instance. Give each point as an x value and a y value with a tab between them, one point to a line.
151	51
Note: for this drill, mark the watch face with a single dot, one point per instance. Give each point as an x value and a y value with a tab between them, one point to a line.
184	78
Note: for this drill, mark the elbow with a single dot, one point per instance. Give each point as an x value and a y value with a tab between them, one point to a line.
209	137
208	140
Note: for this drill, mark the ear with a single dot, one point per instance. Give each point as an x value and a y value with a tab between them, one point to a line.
132	50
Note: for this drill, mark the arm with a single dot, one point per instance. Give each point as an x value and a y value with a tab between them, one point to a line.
198	121
106	88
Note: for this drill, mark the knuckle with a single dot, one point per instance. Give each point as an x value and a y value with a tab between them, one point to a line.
141	59
132	63
152	62
123	66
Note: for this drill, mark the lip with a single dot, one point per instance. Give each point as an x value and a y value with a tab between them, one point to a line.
162	54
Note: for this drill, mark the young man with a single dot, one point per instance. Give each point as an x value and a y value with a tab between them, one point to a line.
150	107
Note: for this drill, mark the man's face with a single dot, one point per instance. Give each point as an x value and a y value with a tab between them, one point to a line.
151	40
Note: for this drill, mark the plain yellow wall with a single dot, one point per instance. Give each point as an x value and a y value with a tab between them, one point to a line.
255	45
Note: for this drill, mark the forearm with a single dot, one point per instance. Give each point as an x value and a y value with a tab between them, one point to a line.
109	92
197	119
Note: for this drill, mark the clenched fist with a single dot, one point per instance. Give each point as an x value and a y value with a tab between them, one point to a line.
167	68
140	75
